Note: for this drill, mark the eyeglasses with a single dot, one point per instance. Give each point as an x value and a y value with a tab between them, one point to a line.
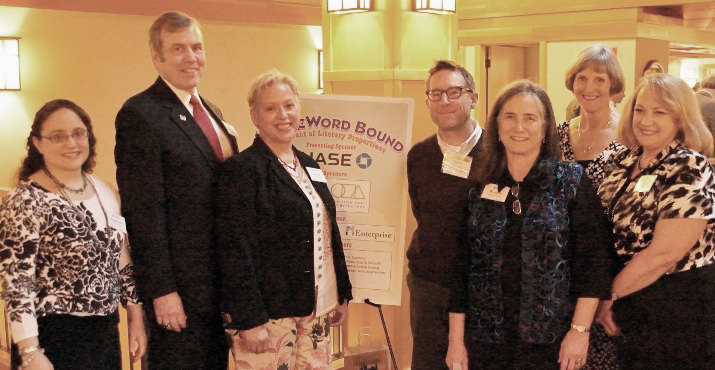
452	93
516	206
77	135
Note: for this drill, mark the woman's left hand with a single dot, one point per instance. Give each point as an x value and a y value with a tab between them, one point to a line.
137	332
574	350
339	314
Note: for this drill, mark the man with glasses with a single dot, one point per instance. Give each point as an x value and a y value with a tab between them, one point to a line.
438	169
169	143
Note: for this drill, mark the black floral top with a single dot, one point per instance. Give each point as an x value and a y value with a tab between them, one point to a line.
54	258
598	168
683	187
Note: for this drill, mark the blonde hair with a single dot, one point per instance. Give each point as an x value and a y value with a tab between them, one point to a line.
269	79
602	59
680	102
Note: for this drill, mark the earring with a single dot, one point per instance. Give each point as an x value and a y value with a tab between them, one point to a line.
543	141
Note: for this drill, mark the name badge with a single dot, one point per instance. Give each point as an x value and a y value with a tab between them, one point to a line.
455	166
491	192
644	183
316	174
117	222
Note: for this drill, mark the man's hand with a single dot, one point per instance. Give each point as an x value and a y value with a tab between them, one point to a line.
169	312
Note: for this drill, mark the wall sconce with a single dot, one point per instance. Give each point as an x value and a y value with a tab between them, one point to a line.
9	63
349	6
320	69
436	6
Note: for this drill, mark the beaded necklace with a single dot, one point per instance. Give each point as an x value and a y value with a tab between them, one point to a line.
292	168
64	195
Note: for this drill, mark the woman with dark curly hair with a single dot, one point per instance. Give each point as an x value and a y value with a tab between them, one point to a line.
64	259
538	243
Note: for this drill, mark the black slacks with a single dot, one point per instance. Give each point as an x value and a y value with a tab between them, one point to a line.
78	342
429	321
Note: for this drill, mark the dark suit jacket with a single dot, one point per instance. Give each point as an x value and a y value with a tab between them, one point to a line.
166	176
266	239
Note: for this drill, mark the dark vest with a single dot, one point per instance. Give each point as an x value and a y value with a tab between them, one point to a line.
546	306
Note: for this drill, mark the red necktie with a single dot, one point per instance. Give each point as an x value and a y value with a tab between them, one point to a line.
202	118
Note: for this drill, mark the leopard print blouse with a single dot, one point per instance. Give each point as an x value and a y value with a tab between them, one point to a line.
598	169
56	259
684	187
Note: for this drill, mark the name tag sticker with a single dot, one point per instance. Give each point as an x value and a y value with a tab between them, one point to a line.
316	174
117	222
645	183
456	166
492	192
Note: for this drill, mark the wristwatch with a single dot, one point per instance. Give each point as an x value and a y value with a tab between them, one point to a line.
580	328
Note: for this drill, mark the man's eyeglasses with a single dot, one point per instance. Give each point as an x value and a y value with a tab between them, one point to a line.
452	93
77	135
516	206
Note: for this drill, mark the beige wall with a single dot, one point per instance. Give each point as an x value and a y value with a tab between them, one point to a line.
99	60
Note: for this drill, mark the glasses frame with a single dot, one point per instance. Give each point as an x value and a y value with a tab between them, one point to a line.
462	89
78	135
516	205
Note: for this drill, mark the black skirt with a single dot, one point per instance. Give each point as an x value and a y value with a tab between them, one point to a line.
671	323
78	342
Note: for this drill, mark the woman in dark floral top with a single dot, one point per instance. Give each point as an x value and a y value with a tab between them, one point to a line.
64	258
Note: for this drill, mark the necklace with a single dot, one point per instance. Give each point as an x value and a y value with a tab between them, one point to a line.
639	163
290	167
64	194
593	141
64	187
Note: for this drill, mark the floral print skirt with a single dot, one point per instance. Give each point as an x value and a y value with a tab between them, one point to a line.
295	343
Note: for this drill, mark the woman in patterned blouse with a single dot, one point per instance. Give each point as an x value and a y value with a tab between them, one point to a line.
590	139
64	259
538	243
660	197
596	80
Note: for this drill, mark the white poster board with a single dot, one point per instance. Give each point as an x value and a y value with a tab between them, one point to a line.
361	145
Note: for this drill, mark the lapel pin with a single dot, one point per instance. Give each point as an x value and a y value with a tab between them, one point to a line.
182	117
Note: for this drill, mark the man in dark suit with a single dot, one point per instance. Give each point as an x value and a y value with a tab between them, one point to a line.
169	143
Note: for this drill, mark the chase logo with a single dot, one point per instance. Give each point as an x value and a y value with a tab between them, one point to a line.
363	160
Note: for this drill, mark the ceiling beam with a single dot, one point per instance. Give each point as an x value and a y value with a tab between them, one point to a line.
297	12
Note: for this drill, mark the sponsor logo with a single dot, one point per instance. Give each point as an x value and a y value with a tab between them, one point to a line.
363	160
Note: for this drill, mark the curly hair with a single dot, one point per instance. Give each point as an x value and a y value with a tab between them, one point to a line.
34	161
267	80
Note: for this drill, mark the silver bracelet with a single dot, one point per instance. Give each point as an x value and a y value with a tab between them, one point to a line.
27	362
28	350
